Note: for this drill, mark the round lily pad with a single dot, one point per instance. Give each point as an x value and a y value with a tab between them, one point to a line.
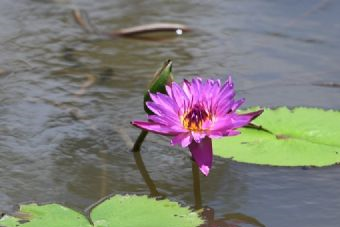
286	137
122	211
141	211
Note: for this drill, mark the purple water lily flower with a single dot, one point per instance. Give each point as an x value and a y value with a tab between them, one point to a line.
195	113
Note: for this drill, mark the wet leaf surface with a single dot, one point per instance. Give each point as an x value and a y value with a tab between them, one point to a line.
123	211
51	215
297	137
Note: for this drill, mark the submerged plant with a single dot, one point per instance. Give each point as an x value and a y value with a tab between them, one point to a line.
195	113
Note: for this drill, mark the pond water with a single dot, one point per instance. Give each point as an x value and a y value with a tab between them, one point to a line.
67	97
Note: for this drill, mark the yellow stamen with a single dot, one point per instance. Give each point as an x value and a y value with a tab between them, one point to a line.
194	118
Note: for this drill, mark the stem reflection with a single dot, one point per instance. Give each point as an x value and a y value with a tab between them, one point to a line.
208	213
141	167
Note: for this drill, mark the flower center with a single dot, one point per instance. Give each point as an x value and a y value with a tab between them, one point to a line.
194	118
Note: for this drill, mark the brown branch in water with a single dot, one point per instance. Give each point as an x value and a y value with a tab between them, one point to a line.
150	28
91	79
82	19
84	22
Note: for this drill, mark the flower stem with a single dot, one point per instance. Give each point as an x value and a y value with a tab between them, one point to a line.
196	185
139	141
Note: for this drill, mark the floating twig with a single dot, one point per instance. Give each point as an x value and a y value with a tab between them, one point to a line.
91	79
81	17
83	21
327	84
151	28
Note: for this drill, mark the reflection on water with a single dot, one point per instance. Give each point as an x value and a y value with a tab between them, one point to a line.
207	213
140	165
66	96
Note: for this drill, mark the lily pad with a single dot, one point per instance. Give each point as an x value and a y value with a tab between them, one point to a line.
118	210
51	215
286	137
141	211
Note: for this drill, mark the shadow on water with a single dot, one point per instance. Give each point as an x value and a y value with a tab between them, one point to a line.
148	181
207	213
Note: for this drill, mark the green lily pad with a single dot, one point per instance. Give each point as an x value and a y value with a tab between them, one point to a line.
51	215
118	210
289	137
161	78
141	211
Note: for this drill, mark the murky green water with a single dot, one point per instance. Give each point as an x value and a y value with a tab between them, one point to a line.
66	100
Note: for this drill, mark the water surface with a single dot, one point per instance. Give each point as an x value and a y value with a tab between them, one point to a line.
67	98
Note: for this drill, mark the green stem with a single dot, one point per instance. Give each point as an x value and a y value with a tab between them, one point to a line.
196	185
139	141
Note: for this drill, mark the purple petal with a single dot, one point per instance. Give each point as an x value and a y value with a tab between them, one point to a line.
224	99
161	110
156	128
227	89
237	104
223	123
183	139
207	124
196	88
233	133
168	91
186	88
254	115
244	119
165	101
198	136
210	92
179	96
165	120
230	81
202	154
224	107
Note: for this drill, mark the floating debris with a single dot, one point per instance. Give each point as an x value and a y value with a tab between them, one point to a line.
82	19
3	72
327	84
151	28
91	79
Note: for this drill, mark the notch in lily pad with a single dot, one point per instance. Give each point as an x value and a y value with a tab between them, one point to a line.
119	210
162	77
